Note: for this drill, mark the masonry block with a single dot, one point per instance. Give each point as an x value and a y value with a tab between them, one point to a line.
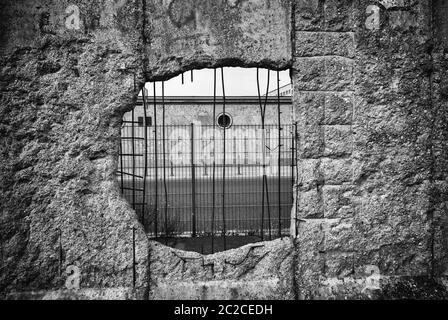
336	171
316	43
338	108
338	141
337	201
309	15
331	15
338	15
310	204
338	264
310	260
308	172
309	74
323	73
312	142
339	236
309	107
338	73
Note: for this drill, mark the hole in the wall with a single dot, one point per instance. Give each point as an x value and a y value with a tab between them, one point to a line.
197	186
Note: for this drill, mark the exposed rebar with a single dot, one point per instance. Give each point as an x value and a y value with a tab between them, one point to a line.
156	164
214	160
145	161
279	155
223	163
164	160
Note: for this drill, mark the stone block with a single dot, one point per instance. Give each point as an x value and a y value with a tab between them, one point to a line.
333	15
338	264
312	142
339	236
338	141
323	74
338	74
336	171
338	109
308	172
337	201
309	107
339	15
310	204
309	74
316	43
309	15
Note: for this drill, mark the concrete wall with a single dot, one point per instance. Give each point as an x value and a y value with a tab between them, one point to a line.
369	95
242	114
365	109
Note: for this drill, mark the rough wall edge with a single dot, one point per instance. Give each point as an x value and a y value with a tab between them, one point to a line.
174	68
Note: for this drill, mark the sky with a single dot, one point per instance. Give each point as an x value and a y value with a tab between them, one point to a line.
237	82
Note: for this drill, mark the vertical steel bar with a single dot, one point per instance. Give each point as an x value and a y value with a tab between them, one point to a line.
156	165
223	163
263	146
193	183
262	126
279	156
269	211
121	164
164	159
293	159
133	158
264	156
214	160
145	160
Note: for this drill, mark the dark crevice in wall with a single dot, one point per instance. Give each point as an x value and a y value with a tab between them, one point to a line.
295	207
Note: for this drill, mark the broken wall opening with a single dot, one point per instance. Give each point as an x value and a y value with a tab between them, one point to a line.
202	132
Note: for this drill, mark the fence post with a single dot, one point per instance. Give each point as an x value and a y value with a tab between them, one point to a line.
193	184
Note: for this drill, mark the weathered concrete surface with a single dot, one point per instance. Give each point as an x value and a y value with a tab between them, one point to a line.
256	271
69	71
367	179
200	33
63	95
98	293
370	97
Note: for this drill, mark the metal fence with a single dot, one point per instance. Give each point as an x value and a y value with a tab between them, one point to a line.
195	180
193	187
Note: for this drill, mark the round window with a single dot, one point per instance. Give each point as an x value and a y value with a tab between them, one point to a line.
224	120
